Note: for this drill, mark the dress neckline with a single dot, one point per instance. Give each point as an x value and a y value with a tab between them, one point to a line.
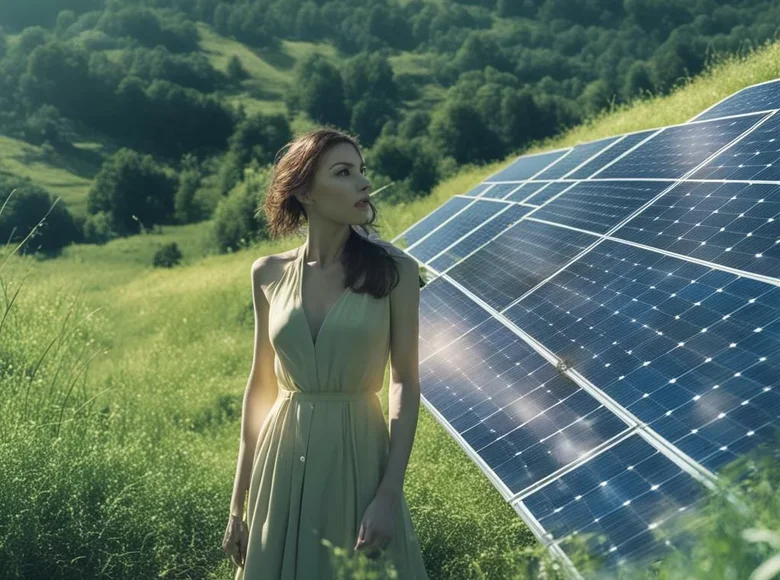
314	340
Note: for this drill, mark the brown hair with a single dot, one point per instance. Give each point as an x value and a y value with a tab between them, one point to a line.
294	173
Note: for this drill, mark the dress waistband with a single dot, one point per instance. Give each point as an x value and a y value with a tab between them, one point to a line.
325	396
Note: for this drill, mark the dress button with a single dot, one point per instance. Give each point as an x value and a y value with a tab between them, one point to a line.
302	458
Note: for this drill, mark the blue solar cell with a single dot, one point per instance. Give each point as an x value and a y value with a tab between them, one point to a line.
500	190
481	235
527	166
460	225
756	156
610	154
512	407
686	349
544	195
517	260
478	190
526	191
627	501
733	224
434	219
761	97
575	158
445	314
598	206
677	150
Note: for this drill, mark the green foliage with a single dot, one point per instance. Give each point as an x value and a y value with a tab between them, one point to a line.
238	220
256	138
168	256
318	91
32	219
134	190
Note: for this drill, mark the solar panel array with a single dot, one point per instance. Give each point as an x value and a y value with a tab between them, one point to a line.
602	328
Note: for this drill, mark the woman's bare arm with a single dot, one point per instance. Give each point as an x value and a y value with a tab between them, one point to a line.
260	394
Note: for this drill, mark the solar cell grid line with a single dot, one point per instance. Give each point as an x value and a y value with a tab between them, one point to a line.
477	190
699	472
526	191
477	238
759	97
445	314
518	259
577	156
597	206
543	196
458	226
631	495
687	350
640	209
755	157
677	149
732	224
526	166
617	149
500	190
427	223
512	407
448	219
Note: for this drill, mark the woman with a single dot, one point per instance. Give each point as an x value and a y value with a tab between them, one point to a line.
315	456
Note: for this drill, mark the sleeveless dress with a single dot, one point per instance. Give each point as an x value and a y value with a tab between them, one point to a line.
322	448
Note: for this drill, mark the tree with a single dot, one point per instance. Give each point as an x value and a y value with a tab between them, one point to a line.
133	190
318	90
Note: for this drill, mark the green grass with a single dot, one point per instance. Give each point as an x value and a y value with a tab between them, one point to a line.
69	176
123	466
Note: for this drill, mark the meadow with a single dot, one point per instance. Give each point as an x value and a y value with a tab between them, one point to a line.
121	389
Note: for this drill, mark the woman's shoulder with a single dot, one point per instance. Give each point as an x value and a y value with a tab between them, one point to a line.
268	270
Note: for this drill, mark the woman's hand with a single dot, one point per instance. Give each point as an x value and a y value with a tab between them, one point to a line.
377	527
235	540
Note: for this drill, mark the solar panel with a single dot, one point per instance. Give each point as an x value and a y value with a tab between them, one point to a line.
478	237
527	166
628	502
675	151
761	97
460	225
433	220
526	191
618	148
500	190
549	192
478	190
732	224
517	260
522	418
598	206
755	157
674	343
605	343
574	158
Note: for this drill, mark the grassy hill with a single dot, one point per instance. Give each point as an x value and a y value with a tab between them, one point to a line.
172	351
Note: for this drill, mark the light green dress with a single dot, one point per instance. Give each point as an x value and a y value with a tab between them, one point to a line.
322	449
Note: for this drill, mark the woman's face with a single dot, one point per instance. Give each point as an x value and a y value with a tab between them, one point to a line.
339	182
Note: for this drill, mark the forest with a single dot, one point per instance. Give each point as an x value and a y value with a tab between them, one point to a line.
427	87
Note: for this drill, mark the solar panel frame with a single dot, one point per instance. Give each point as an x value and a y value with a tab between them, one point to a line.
581	153
455	201
423	247
767	130
716	110
507	173
699	132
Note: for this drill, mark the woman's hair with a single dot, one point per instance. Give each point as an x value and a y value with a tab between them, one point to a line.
294	174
